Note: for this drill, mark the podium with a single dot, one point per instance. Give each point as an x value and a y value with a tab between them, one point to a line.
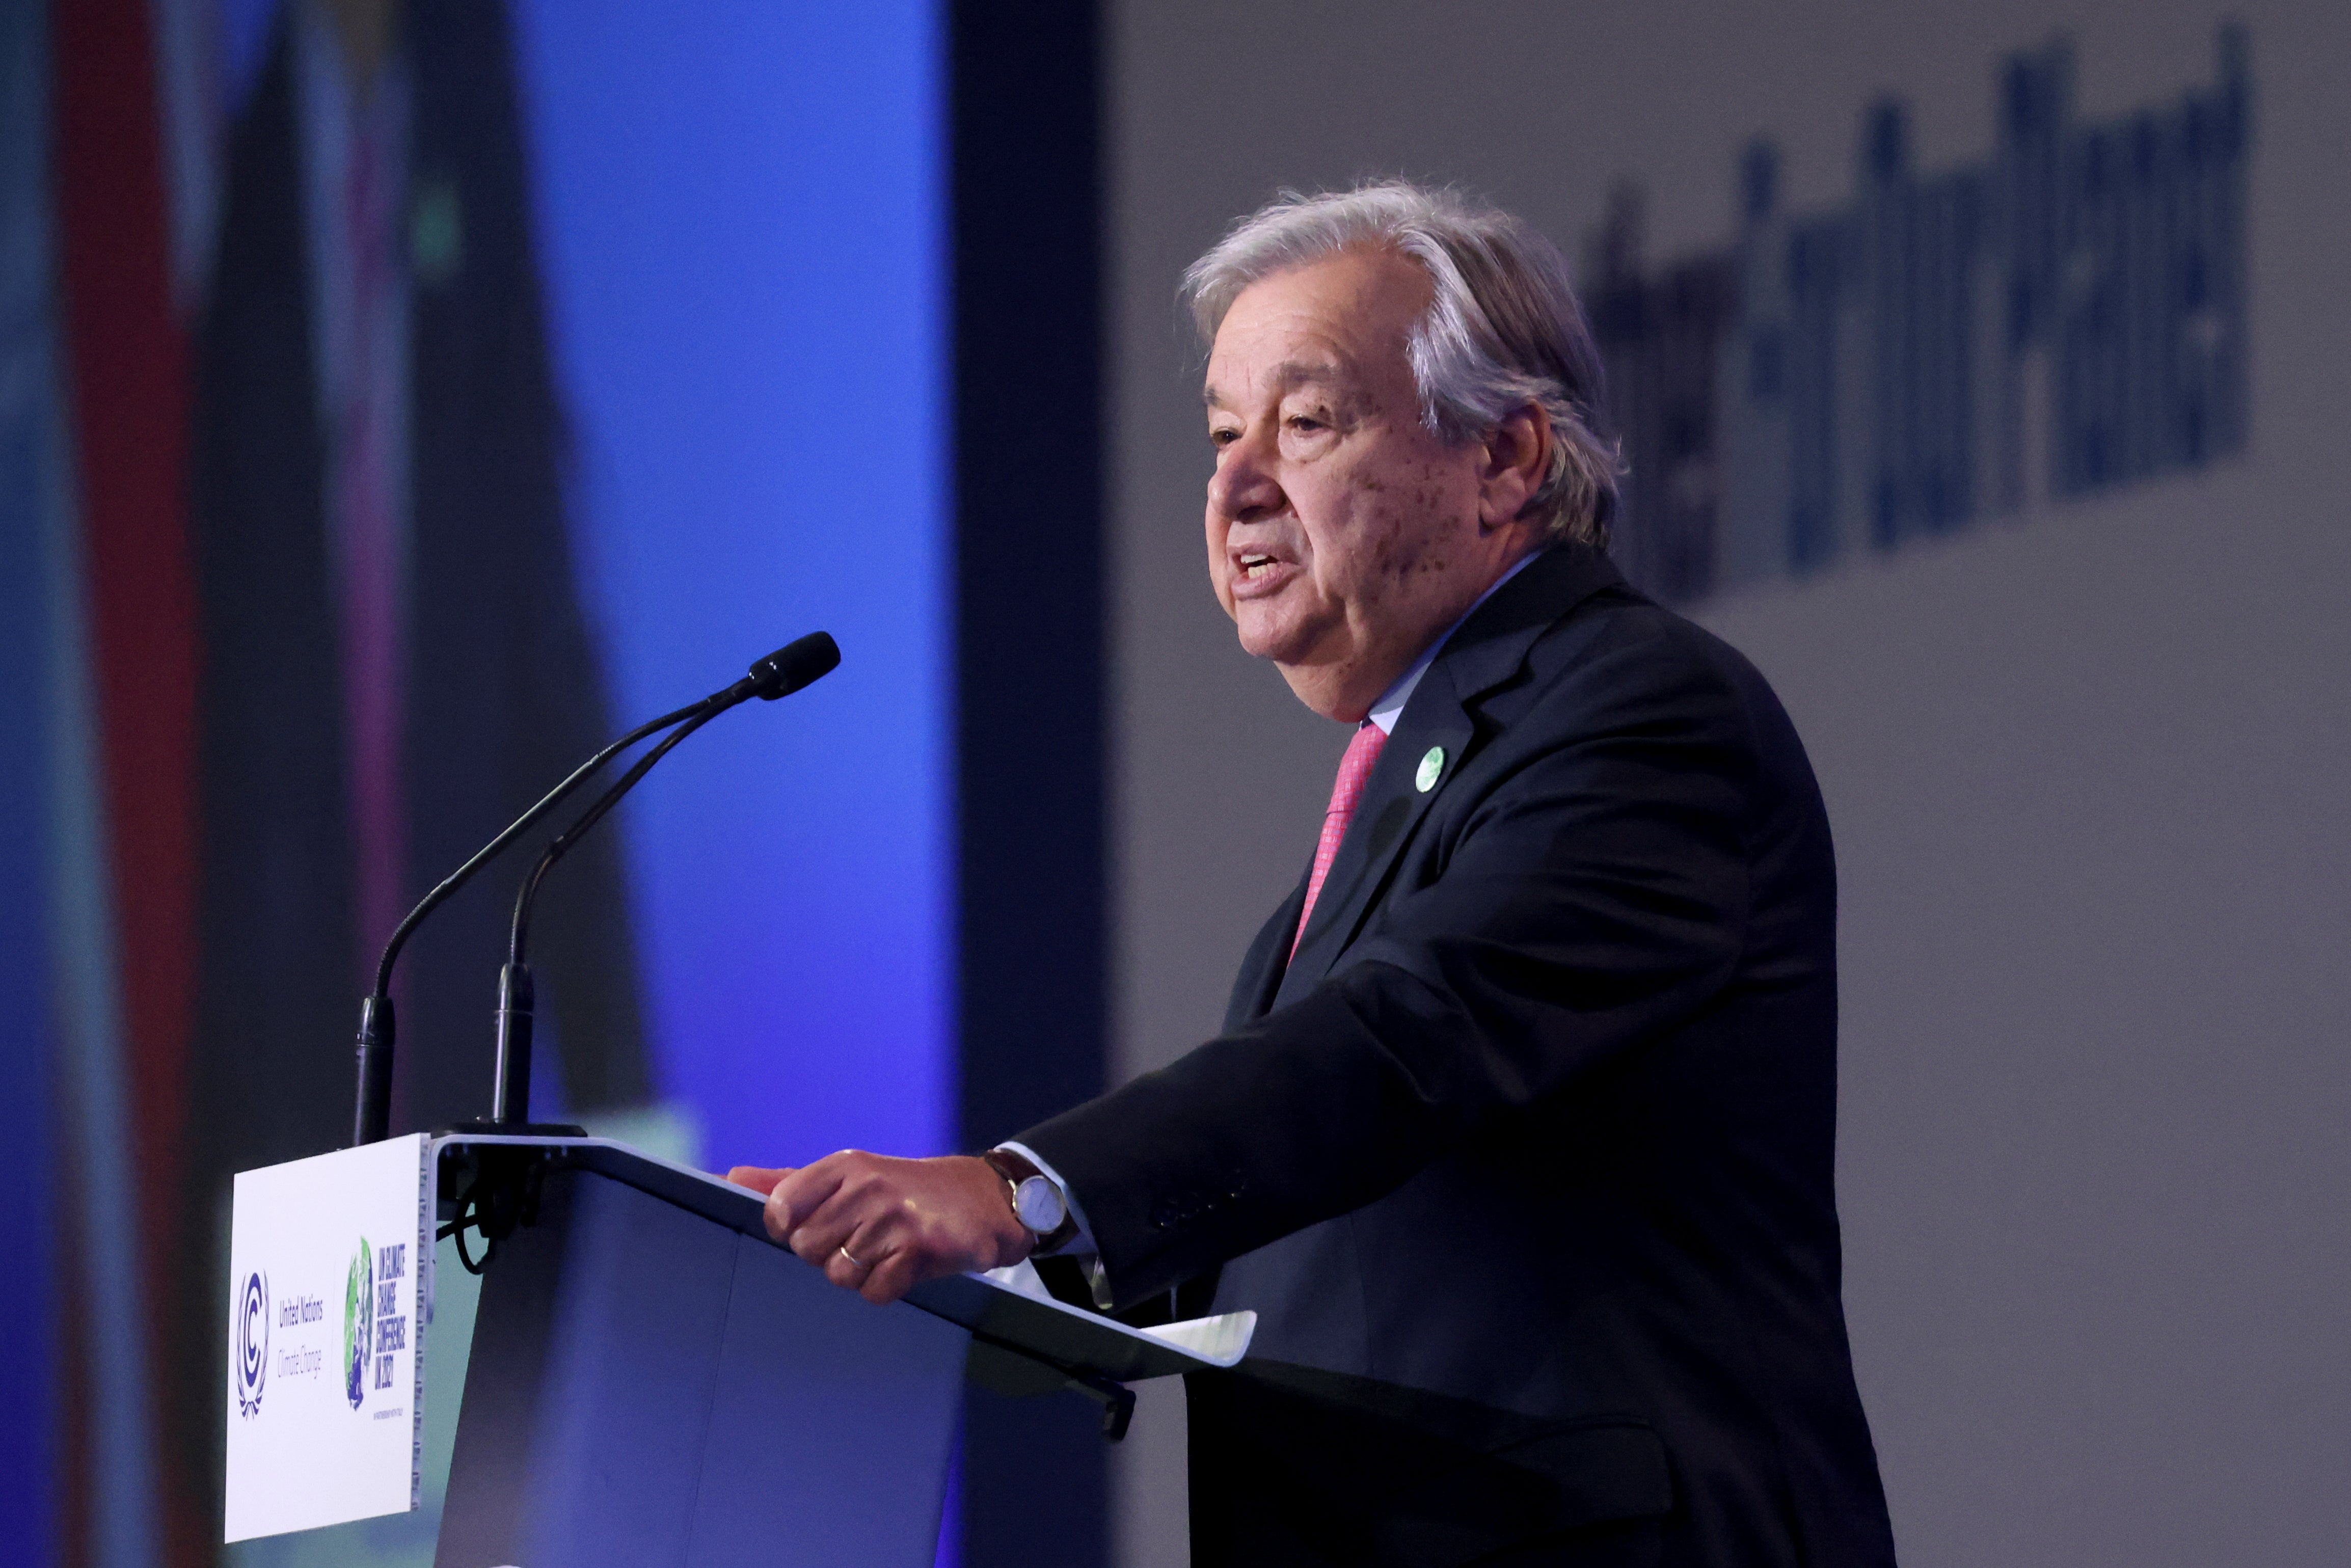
652	1380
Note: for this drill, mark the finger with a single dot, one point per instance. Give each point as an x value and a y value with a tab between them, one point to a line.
758	1178
799	1195
905	1254
866	1225
847	1271
858	1201
826	1231
892	1278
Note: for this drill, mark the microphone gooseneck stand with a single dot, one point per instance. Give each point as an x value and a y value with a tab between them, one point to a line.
779	675
510	1090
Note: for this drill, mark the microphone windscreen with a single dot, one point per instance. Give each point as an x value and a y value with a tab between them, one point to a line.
795	665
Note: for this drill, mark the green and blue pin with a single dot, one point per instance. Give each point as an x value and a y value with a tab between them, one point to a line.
1432	763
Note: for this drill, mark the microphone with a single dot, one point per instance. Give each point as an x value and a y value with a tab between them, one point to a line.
797	663
781	674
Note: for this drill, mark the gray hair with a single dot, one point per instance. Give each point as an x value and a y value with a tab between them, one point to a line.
1503	331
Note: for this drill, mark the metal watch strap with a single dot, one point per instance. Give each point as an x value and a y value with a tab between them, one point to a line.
1015	1170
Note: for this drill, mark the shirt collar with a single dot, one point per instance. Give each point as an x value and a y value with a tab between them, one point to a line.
1390	707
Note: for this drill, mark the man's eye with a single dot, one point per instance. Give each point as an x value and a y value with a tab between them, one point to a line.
1305	422
1225	437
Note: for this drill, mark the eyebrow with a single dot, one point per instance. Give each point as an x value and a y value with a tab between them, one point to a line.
1287	374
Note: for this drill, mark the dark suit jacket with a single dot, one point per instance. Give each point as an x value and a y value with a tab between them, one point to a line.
1525	1160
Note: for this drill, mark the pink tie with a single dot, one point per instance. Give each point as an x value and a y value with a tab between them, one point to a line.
1345	790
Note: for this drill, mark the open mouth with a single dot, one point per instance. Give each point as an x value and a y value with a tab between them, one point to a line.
1261	572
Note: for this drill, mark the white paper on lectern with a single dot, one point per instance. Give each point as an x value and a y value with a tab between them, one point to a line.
329	1266
1220	1341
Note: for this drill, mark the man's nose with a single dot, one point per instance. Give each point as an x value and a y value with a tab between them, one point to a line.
1243	487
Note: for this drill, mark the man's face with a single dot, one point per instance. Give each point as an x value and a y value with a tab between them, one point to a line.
1342	534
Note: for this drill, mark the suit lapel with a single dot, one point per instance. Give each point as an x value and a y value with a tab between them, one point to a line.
1489	650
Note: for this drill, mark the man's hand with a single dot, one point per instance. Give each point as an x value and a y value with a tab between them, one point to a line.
880	1225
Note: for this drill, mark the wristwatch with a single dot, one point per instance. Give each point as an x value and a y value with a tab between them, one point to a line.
1037	1202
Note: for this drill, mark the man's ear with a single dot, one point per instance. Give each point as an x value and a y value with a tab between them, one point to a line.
1513	461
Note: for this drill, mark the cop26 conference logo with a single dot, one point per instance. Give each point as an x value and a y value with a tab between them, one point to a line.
359	1311
251	1369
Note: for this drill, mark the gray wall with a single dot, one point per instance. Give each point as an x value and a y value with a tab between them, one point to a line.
2086	763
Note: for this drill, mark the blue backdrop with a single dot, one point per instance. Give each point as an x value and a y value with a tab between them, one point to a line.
741	217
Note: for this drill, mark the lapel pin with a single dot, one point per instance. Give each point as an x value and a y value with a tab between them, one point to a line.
1432	763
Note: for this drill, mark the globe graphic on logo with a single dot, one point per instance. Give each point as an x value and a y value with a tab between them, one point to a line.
358	1303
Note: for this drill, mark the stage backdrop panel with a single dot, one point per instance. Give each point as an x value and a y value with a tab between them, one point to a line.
1983	372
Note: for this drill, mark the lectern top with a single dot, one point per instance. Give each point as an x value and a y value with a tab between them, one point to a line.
996	1306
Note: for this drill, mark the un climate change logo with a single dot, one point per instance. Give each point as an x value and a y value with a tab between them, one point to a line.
359	1311
252	1367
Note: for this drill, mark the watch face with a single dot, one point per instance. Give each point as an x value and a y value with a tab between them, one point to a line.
1038	1204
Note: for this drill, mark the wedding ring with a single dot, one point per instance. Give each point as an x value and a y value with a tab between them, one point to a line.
853	1261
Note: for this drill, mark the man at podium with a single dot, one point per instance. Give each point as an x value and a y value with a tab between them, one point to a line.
1519	1134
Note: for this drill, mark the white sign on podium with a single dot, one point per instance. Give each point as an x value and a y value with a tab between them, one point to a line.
328	1260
